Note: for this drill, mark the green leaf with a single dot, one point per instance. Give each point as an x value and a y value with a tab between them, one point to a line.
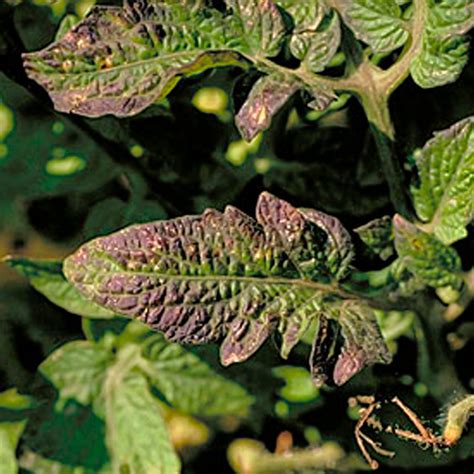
190	385
220	275
11	400
314	39
444	198
440	62
316	49
10	433
427	258
137	437
378	23
77	370
378	236
11	430
46	276
38	464
262	25
444	51
266	98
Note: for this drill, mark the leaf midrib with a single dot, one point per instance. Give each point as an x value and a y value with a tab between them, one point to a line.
332	287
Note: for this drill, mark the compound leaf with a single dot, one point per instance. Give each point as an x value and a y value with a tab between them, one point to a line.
220	275
47	277
444	199
190	385
426	257
378	23
136	434
77	370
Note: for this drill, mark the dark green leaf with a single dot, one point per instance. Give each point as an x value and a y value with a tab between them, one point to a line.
427	258
46	276
137	437
190	385
444	199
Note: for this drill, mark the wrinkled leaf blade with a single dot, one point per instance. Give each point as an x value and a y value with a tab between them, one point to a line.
444	198
376	22
426	257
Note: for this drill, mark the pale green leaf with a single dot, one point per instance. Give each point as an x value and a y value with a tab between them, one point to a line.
444	198
136	434
38	464
190	385
46	276
77	370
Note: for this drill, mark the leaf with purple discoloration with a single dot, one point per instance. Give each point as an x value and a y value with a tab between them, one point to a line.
266	98
220	276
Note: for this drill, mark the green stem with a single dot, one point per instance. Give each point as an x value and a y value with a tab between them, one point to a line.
375	104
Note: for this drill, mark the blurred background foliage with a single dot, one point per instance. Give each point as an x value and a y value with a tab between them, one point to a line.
64	180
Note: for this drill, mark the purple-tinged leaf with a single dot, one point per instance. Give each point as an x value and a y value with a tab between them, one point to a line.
363	342
266	98
220	276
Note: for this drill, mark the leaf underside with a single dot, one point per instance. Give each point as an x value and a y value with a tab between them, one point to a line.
223	276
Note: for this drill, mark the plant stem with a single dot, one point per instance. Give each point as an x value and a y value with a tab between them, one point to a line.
375	104
435	366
